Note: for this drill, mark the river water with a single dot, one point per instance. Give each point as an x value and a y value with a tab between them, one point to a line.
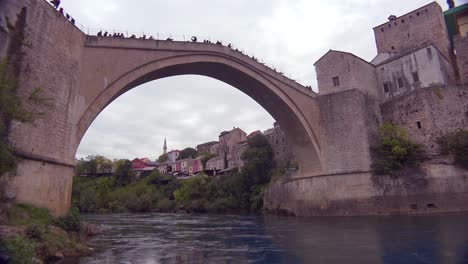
181	238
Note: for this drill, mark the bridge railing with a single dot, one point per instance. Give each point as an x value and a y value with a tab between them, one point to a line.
174	37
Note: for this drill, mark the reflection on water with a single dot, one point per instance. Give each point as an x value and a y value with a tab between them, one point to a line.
173	238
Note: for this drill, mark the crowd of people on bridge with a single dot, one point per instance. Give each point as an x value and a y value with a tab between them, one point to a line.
56	4
194	39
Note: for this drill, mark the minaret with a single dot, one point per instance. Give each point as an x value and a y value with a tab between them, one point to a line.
165	146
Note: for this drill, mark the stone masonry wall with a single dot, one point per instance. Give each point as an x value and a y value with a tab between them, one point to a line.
55	71
437	109
436	188
52	49
461	48
348	122
418	28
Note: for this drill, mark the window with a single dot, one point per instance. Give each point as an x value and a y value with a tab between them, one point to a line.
387	87
400	82
336	81
403	21
415	77
419	124
429	53
382	29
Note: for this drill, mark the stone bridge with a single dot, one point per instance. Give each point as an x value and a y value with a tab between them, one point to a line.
83	74
331	133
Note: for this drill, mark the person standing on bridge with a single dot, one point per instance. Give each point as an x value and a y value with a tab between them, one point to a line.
56	3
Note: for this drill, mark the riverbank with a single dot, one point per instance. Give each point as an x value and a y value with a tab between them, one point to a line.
31	235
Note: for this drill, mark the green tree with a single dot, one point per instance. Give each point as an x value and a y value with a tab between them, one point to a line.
123	173
187	153
455	144
394	151
258	159
206	157
163	158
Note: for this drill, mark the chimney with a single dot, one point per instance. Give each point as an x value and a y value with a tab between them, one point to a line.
451	4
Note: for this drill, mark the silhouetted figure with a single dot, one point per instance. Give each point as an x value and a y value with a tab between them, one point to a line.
106	34
67	16
144	37
229	45
169	39
73	21
61	10
194	39
99	34
151	38
219	43
132	36
451	4
56	3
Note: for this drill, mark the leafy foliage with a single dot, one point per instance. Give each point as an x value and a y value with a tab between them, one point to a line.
455	144
93	164
394	151
188	153
121	193
206	157
19	249
124	173
163	158
70	222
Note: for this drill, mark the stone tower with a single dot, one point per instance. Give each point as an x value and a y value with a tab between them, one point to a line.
165	147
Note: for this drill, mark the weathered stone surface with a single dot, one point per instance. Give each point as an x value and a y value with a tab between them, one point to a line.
461	48
439	110
437	188
413	29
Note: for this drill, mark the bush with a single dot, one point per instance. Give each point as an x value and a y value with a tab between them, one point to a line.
394	151
165	205
35	232
20	250
455	144
71	222
88	200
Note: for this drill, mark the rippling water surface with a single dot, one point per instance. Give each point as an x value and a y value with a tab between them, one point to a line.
179	238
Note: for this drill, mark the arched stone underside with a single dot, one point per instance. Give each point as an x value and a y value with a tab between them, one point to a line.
111	67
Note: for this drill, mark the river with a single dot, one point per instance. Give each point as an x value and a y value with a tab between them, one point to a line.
181	238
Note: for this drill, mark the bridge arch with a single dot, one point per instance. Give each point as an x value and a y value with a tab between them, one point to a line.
292	106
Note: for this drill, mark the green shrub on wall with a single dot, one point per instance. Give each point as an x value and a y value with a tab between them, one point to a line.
455	144
394	151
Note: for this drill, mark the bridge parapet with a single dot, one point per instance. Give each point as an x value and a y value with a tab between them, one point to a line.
188	46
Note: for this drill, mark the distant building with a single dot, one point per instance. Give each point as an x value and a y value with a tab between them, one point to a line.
173	155
206	147
282	151
415	51
143	165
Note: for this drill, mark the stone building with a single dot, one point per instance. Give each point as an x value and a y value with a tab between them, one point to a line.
228	141
419	28
208	147
425	66
282	151
173	155
411	83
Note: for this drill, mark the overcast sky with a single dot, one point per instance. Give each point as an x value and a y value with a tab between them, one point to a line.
189	110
